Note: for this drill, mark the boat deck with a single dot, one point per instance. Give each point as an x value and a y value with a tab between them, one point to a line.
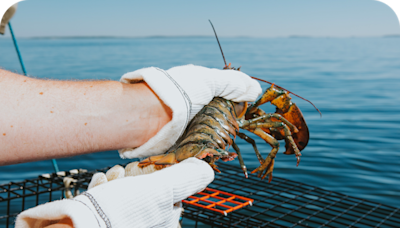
281	203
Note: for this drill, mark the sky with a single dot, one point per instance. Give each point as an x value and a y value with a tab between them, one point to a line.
255	18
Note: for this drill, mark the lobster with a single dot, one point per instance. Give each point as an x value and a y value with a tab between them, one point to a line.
209	133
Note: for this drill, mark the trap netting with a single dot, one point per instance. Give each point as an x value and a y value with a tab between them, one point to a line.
281	203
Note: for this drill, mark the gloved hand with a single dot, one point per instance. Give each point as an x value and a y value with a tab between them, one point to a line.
142	201
6	16
186	89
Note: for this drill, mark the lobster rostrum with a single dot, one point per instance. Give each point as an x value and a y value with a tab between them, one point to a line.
208	135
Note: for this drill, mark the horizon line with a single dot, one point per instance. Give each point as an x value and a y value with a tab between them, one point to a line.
197	36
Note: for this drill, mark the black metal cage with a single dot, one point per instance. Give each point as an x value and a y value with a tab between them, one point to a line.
281	203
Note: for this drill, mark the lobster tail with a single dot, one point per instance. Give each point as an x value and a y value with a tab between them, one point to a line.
206	137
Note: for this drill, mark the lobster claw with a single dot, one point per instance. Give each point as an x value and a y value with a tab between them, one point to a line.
301	138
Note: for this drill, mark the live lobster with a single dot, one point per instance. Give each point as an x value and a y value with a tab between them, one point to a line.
208	135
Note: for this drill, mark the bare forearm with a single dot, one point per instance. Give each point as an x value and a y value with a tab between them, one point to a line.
43	119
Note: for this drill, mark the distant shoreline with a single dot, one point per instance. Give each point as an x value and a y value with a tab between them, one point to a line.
194	37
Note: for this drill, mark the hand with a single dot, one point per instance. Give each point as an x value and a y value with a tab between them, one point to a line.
142	201
186	89
6	17
203	84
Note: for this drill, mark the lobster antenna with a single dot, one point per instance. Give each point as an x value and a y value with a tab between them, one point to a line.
289	92
218	42
259	78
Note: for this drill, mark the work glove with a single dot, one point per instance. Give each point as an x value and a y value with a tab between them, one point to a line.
140	201
6	16
186	89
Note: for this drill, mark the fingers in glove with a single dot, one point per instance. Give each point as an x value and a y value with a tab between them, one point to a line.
230	84
187	177
114	173
97	179
132	169
237	86
176	214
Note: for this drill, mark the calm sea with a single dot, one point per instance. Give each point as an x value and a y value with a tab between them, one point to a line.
355	82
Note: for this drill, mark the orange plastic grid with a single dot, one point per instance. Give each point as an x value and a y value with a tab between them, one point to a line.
218	201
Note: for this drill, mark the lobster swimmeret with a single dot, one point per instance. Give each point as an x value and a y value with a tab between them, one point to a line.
208	135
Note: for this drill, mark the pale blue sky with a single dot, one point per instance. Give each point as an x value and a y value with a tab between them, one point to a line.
256	18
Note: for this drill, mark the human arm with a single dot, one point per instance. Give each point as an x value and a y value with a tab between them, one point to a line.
185	90
43	119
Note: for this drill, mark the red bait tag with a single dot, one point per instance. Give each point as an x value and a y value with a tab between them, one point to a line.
219	201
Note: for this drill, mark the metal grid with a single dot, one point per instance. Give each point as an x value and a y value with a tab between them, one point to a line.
286	203
282	203
18	196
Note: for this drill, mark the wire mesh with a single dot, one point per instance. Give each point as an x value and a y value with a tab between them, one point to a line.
281	203
18	196
218	201
286	203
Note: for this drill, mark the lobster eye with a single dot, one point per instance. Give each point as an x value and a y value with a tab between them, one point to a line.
240	109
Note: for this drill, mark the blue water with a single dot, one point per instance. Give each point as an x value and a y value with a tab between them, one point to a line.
354	148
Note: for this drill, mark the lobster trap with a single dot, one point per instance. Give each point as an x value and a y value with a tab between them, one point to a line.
281	203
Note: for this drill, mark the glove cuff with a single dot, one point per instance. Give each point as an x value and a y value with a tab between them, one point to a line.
174	97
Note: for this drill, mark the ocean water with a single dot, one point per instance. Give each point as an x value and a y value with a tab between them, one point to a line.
355	82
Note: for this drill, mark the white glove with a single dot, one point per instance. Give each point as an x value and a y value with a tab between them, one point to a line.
186	89
7	15
142	201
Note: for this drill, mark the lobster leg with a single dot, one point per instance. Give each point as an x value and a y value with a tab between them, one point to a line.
253	143
268	164
287	134
241	162
150	160
269	116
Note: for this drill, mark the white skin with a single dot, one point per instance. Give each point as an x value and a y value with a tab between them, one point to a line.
45	119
